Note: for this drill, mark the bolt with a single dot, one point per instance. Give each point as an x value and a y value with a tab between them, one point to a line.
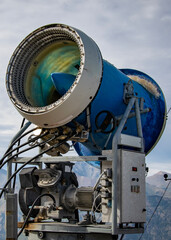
41	235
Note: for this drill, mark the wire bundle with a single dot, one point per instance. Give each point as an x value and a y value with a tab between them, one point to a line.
12	152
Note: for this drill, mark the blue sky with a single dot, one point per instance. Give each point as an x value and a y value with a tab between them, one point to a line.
130	34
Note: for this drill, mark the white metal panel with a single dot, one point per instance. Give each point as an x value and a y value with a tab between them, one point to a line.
131	197
132	187
132	141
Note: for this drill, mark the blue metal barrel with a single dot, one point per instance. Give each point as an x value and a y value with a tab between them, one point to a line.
110	98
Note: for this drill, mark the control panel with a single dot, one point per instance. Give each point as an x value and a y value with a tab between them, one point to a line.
131	202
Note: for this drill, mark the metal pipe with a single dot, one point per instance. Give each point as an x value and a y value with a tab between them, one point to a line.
141	104
9	173
115	163
132	114
138	121
11	216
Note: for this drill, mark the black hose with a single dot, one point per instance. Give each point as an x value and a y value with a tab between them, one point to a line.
27	149
15	141
122	236
31	209
29	161
22	124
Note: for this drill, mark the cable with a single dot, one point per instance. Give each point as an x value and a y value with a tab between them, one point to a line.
14	149
90	130
20	132
27	149
22	145
97	207
110	134
155	209
93	205
15	141
168	110
106	122
98	180
99	212
122	236
29	161
31	209
22	124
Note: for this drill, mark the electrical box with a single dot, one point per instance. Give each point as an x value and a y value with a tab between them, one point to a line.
131	198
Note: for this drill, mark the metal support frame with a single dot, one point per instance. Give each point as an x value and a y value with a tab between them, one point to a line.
131	103
111	230
11	216
115	164
11	197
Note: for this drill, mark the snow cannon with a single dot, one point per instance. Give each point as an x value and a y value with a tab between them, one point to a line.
58	80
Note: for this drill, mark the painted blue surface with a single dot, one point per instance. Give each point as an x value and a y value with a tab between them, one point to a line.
54	70
110	98
59	79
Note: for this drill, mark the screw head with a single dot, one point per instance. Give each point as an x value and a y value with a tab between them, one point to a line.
41	235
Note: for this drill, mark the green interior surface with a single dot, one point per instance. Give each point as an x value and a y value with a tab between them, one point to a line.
61	56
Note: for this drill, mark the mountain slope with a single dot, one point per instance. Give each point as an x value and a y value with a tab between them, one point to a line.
158	179
158	224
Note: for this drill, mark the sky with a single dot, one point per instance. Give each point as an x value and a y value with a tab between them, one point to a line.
130	34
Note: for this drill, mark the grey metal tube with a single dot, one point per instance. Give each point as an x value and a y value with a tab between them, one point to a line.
132	114
11	216
115	164
9	173
138	121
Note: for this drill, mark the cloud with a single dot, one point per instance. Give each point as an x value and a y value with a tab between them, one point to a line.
130	34
157	167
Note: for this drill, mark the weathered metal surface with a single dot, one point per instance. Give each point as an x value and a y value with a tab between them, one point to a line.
62	231
65	236
11	216
68	228
64	159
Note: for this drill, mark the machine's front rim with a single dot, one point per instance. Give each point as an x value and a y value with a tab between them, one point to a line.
15	84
